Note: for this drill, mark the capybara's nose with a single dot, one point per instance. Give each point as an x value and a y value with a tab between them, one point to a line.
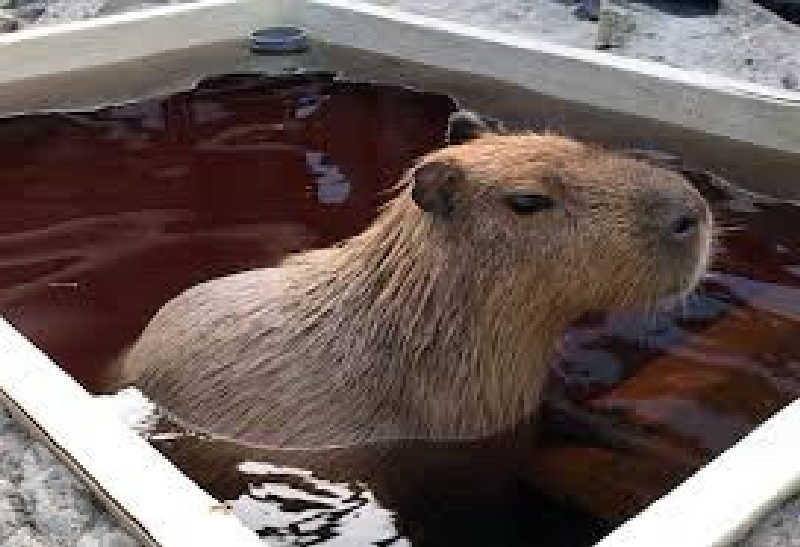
684	225
682	218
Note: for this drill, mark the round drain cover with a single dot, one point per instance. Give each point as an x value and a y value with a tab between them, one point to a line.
278	40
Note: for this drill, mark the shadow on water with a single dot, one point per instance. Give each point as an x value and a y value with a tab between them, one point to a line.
107	214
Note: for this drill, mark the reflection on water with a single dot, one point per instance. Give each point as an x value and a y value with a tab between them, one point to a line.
310	511
637	404
289	505
391	493
107	214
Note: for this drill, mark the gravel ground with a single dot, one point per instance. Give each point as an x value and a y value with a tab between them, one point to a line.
735	38
739	39
42	504
779	529
18	14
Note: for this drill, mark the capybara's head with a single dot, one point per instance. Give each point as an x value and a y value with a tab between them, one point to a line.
540	214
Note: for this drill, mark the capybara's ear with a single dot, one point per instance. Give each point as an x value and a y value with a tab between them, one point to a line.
434	186
465	125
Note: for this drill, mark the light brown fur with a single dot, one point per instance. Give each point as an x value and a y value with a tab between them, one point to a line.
425	325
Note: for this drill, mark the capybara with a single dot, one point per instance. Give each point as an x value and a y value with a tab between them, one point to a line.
437	322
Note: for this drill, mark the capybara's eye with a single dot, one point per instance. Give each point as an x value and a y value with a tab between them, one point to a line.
525	204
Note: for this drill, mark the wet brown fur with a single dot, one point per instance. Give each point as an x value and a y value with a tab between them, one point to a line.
426	325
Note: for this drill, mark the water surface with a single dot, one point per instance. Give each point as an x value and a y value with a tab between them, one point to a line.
107	214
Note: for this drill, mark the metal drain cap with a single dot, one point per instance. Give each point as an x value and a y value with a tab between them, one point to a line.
277	40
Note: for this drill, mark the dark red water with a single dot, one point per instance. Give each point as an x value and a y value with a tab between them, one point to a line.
107	214
658	397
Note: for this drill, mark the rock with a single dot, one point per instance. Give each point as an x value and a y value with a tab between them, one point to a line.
108	539
588	9
614	23
7	510
791	81
23	538
30	11
42	504
8	22
781	528
61	11
56	502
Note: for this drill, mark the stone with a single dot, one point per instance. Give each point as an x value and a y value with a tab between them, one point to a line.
780	528
30	11
107	539
42	504
588	9
8	21
61	11
791	81
23	538
614	23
